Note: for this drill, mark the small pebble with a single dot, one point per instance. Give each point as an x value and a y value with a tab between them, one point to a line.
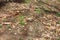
15	33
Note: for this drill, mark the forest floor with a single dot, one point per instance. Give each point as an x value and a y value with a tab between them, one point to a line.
33	20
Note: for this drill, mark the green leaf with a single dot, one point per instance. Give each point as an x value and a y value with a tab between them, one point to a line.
37	10
0	25
20	39
21	20
27	1
58	14
59	0
8	26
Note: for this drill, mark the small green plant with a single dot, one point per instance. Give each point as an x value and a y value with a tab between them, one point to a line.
37	10
59	0
4	19
58	38
58	14
58	22
0	25
8	26
47	0
20	39
21	20
27	1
